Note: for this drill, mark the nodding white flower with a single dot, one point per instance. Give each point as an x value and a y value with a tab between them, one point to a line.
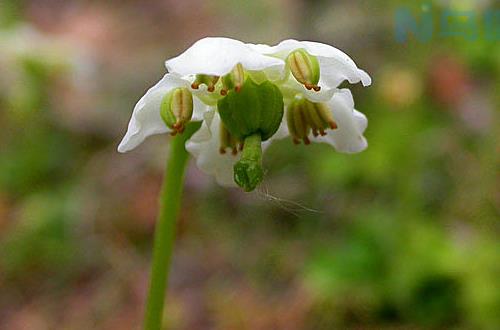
247	96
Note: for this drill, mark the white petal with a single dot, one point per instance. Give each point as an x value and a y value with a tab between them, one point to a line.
218	56
361	120
335	65
261	48
204	146
199	109
336	69
146	119
348	137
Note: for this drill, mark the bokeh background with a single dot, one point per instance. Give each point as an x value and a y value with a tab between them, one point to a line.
402	236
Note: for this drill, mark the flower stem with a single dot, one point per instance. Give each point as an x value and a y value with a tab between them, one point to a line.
170	200
248	171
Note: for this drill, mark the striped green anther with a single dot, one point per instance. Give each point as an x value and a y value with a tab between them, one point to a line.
304	116
234	80
305	68
177	109
296	119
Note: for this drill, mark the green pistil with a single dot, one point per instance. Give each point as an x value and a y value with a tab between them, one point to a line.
248	173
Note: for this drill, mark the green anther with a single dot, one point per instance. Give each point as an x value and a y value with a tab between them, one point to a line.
303	116
248	172
300	120
166	111
305	68
290	113
326	115
208	80
313	118
177	109
297	122
234	80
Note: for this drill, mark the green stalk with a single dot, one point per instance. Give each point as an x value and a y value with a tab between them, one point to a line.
170	202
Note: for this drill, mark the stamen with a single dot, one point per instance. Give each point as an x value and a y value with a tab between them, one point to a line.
316	88
297	122
238	76
305	69
177	109
234	80
208	80
326	115
313	117
304	117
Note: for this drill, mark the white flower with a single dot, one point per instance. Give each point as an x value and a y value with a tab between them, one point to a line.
335	66
246	81
218	56
146	119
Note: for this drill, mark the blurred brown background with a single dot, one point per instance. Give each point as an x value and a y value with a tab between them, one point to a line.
402	236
